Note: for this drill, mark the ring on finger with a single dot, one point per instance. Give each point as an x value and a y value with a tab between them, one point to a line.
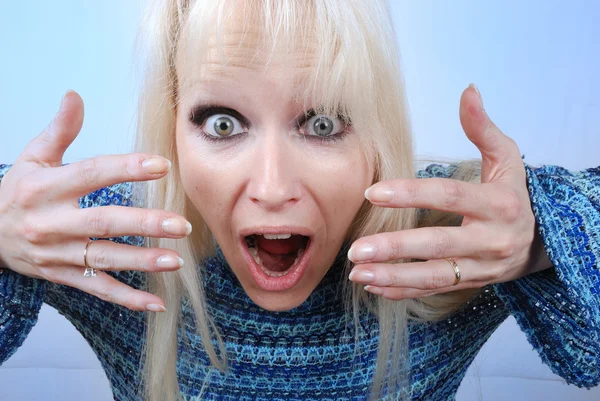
456	270
89	271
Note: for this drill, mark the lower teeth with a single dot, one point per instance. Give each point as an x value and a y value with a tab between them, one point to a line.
271	273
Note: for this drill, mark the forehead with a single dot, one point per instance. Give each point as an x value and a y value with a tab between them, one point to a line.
240	46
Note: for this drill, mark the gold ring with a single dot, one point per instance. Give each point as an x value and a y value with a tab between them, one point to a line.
89	271
455	268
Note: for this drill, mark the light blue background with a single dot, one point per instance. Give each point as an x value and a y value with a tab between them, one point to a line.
535	62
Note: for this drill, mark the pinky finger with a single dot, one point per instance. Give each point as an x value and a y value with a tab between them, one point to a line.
108	289
398	293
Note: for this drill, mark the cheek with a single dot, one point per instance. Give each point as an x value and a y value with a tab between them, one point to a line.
206	182
340	182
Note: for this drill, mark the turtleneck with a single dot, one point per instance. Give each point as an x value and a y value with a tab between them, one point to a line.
309	350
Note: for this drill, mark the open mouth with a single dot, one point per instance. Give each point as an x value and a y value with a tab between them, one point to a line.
276	260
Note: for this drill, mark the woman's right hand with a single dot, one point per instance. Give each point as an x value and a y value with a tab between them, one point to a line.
43	230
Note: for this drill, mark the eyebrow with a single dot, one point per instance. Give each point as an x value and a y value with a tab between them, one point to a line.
201	111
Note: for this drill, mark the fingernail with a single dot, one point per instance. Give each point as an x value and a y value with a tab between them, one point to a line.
379	194
374	290
62	100
176	227
156	165
362	276
472	85
156	308
168	261
361	253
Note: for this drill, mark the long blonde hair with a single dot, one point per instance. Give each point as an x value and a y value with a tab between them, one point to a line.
354	70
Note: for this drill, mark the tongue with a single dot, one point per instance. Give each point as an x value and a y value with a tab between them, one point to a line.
279	254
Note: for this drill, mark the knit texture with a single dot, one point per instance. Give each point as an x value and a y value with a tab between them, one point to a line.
309	353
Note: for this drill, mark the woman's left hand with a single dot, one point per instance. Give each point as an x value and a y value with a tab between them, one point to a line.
498	240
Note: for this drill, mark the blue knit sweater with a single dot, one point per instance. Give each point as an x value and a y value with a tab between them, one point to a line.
308	353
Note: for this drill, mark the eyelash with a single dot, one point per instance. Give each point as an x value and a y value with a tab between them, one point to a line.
199	115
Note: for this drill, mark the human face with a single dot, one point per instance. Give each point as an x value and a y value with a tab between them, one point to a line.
254	168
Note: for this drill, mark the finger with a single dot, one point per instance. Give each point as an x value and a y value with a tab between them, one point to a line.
500	154
104	287
463	198
80	178
48	148
419	243
396	294
107	222
108	255
428	275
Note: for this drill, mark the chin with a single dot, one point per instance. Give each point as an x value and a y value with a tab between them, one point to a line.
279	302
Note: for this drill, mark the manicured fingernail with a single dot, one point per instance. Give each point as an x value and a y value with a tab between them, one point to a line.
62	101
156	165
379	194
361	253
168	261
472	85
374	290
362	276
176	227
156	308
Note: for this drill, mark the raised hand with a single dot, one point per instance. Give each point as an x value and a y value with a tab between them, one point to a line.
43	231
496	242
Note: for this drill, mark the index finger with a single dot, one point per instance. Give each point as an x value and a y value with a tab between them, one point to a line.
81	178
460	197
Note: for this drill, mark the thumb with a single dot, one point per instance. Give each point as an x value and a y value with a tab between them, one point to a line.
499	153
48	148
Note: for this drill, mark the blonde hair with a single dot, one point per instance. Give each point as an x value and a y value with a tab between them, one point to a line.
351	67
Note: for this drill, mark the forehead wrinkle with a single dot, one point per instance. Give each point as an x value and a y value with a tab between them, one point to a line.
234	74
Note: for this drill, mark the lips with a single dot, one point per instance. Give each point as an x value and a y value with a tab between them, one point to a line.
276	257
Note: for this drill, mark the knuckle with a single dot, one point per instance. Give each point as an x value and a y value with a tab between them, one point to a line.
88	172
146	223
437	278
98	224
102	258
396	248
32	231
441	245
50	274
504	249
30	191
454	193
38	257
147	263
509	206
411	190
104	293
127	167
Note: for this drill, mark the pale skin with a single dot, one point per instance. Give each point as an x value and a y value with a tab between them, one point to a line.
497	241
43	232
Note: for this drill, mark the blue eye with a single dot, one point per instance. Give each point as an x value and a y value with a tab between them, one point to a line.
222	126
323	127
218	123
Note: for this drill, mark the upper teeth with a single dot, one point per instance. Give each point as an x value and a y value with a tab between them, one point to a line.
277	236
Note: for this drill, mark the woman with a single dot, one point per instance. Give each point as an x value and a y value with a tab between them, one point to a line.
273	144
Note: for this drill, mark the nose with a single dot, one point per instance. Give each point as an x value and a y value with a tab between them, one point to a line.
274	182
